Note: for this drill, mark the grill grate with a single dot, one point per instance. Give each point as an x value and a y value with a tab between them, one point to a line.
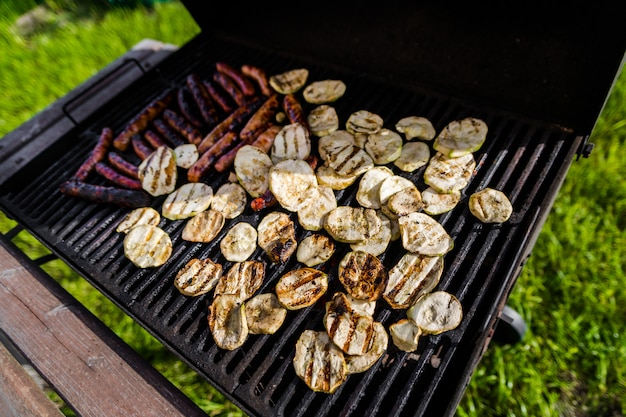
527	159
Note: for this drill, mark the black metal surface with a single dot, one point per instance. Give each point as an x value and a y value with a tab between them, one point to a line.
527	159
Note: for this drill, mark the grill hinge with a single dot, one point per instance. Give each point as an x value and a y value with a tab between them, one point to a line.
585	148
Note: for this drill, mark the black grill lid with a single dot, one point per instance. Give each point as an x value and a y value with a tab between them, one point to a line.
557	64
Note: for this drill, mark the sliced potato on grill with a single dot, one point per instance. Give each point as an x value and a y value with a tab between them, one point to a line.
378	346
291	142
312	213
352	224
158	173
277	236
438	203
290	182
327	176
447	175
264	314
252	167
187	200
422	234
301	287
203	227
362	275
290	81
186	155
414	155
324	91
147	246
376	244
318	362
368	193
323	120
243	279
405	334
230	199
347	327
461	137
239	243
384	146
364	121
436	312
197	277
490	206
315	249
406	201
411	277
227	321
141	215
416	127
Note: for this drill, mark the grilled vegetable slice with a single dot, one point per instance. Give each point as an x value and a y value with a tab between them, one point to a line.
347	327
376	244
301	287
277	236
289	82
313	211
447	175
230	200
147	246
351	160
363	121
334	143
416	127
227	321
264	314
411	277
315	249
252	167
414	155
187	200
384	146
158	172
389	187
318	362
490	206
363	275
405	335
203	227
368	193
197	277
424	235
326	176
436	312
323	120
239	243
362	306
438	203
291	142
290	181
186	155
461	137
352	224
141	215
243	279
324	91
406	201
378	346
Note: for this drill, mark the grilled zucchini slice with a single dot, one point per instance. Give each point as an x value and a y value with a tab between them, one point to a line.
461	137
186	155
490	206
384	146
362	275
437	203
264	314
203	227
277	236
405	334
436	312
141	215
187	200
227	321
319	362
447	175
349	329
416	127
290	181
243	279
422	234
313	211
324	91
327	176
315	249
368	193
239	243
289	82
252	167
411	277
158	173
323	120
364	121
147	246
301	287
376	244
352	224
291	142
197	277
378	345
230	199
414	155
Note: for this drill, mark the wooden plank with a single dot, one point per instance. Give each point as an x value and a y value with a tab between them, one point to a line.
92	369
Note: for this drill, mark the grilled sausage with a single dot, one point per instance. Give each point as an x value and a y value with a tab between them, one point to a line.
259	76
171	136
293	109
142	119
263	141
226	161
186	107
206	160
106	195
118	162
117	178
230	87
260	120
244	84
202	99
264	201
218	97
97	154
180	125
154	139
141	148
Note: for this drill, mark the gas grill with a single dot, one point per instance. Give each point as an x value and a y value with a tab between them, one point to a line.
539	82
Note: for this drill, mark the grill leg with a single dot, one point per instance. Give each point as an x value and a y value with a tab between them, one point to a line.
511	327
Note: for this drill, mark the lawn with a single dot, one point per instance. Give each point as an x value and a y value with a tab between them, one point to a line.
572	292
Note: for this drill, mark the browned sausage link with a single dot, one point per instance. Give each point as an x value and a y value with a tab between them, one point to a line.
142	119
232	123
141	148
263	201
172	137
259	76
154	139
244	84
187	108
206	160
230	87
107	195
179	124
202	99
118	162
265	140
293	109
117	178
225	161
261	119
219	97
96	155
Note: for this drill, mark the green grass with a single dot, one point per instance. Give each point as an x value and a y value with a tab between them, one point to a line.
571	293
